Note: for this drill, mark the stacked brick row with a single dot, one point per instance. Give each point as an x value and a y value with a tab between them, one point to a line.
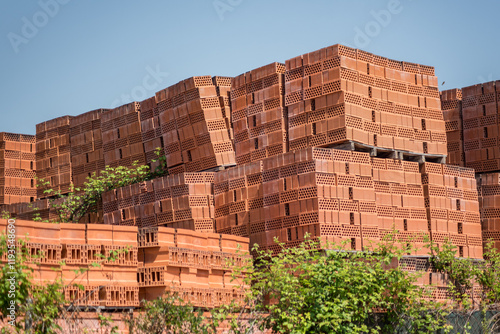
87	155
111	283
452	207
180	201
259	116
480	125
121	136
194	117
341	195
400	201
451	104
17	168
197	266
53	156
338	94
489	200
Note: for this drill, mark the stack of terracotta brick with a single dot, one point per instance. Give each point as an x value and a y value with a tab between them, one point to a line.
53	156
17	168
39	209
112	283
489	199
238	194
197	266
194	117
121	136
87	155
259	116
342	95
151	131
339	195
480	124
451	104
452	207
180	200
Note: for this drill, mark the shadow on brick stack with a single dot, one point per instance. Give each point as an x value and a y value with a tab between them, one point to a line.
489	192
53	156
338	95
17	168
194	119
259	116
121	136
193	264
178	201
480	123
451	104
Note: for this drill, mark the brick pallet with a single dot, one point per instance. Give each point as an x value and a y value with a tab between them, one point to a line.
17	168
451	104
338	195
339	94
480	109
193	264
194	117
180	200
259	117
53	155
121	136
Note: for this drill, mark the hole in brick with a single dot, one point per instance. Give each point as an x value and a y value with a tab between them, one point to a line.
161	142
374	141
424	125
31	164
458	205
460	228
118	133
487	154
309	81
190	157
256	143
353	243
461	251
254	120
253	98
236	219
368	68
408	247
425	102
456	181
313	105
426	149
120	152
351	193
297	233
416	79
405	224
418	100
351	218
284	185
370	92
484	110
373	116
485	131
347	168
287	209
482	90
234	195
123	214
314	128
289	234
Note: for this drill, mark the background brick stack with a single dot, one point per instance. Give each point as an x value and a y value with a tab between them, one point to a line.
259	116
193	264
452	207
480	124
338	94
180	201
86	146
451	104
17	168
194	118
489	199
53	155
238	194
151	131
121	136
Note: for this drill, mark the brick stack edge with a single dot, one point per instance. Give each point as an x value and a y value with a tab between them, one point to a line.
337	143
157	259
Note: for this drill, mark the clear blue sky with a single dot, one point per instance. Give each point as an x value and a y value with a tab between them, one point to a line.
98	54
